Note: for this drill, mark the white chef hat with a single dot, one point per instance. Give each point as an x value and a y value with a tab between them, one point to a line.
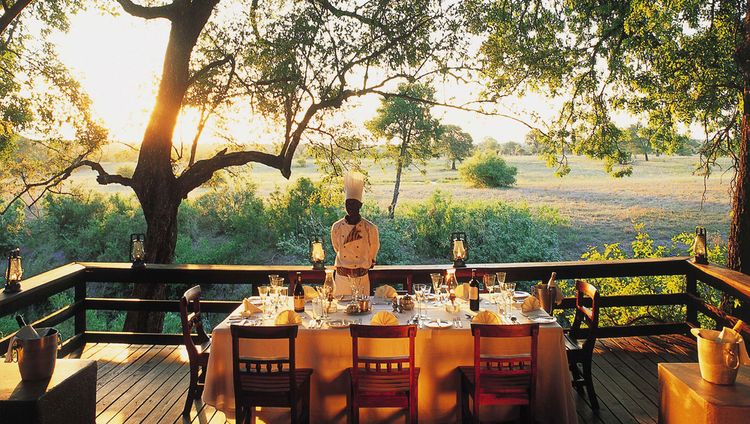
354	185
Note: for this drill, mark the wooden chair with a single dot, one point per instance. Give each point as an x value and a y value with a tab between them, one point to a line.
384	382
499	380
270	382
197	348
582	352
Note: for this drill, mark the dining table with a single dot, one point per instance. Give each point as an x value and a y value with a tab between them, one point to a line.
443	343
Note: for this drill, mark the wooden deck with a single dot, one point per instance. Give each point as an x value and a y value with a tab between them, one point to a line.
145	383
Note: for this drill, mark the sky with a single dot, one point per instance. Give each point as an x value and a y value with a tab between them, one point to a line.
118	61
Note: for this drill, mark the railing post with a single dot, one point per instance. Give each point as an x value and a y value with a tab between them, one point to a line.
80	299
691	288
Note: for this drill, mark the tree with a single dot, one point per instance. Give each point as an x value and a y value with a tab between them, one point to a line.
455	144
295	63
409	127
684	62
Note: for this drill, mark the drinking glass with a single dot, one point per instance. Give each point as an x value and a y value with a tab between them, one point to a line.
318	308
425	291
284	298
419	293
500	277
263	291
437	283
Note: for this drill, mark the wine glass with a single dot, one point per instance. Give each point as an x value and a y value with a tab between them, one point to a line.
419	293
437	283
263	291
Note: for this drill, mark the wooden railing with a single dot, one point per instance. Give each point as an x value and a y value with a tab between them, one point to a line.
78	276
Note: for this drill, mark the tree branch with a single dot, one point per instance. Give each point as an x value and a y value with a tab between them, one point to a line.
166	11
206	69
12	13
203	170
104	177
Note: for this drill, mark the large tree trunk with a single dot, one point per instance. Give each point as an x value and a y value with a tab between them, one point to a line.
154	182
453	165
645	154
739	230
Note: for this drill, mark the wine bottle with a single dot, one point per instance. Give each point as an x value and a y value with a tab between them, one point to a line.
26	331
299	295
474	291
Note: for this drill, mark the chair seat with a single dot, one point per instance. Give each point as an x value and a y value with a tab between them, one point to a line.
384	382
505	385
274	382
571	343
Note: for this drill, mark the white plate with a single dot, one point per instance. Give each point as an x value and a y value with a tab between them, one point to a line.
520	295
339	323
441	324
543	319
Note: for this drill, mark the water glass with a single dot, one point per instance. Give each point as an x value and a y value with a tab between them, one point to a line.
264	291
318	308
500	277
419	293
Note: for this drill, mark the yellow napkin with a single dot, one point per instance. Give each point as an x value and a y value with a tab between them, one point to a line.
462	291
384	318
486	317
288	317
385	292
530	304
248	308
310	292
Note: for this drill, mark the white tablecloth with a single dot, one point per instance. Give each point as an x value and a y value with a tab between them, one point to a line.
438	353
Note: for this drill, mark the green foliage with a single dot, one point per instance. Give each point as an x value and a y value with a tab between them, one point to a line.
643	246
674	63
455	144
486	169
11	226
497	232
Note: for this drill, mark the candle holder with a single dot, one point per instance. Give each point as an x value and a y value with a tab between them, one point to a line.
14	272
138	250
699	246
460	249
317	253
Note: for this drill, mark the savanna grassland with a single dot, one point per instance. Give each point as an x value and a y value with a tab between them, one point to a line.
663	193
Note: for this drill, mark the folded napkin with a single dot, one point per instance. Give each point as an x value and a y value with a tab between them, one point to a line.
248	308
462	291
729	335
530	304
384	318
288	317
385	292
486	317
310	292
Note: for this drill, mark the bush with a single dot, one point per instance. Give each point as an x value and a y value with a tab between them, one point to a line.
497	232
486	169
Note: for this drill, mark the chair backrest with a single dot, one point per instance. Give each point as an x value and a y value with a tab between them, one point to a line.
520	365
245	368
394	364
190	316
585	314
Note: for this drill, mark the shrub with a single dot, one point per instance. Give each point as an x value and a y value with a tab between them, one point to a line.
486	169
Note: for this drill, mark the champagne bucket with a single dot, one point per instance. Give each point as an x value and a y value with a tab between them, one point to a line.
718	362
546	296
37	357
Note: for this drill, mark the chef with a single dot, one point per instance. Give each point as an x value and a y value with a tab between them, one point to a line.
355	241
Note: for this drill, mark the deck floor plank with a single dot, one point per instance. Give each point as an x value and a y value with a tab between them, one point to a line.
145	383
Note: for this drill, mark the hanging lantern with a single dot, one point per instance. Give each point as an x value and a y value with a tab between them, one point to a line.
317	253
699	246
138	250
14	272
460	249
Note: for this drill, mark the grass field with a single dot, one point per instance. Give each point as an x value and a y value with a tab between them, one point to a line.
663	194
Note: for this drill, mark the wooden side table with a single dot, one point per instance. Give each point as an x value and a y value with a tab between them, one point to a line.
685	397
69	396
